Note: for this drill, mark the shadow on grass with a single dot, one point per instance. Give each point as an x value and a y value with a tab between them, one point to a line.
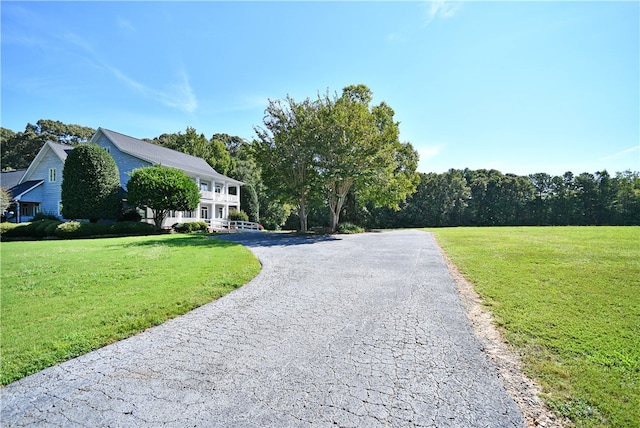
182	241
271	239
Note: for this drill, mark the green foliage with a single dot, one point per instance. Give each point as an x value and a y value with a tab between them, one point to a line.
568	299
193	226
324	148
35	230
490	198
162	190
19	149
90	184
97	291
6	227
131	228
45	216
213	151
130	215
238	216
5	200
249	200
349	228
76	229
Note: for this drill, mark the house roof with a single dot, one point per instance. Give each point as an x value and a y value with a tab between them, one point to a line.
18	190
11	178
159	155
61	150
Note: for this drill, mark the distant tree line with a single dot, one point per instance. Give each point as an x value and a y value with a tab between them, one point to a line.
454	198
491	198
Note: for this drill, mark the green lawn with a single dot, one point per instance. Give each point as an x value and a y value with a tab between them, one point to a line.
61	299
568	298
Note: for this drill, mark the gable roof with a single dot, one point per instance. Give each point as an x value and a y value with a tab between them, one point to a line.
61	150
159	155
17	191
11	178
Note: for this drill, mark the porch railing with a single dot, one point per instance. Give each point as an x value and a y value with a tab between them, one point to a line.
221	225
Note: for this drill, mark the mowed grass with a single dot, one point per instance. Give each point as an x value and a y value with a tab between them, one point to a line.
568	298
62	299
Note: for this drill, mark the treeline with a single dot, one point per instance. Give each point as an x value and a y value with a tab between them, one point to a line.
491	198
454	198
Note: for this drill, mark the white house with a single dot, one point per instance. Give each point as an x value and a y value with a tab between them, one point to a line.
39	189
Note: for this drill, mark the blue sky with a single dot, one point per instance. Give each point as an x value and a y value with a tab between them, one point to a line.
522	87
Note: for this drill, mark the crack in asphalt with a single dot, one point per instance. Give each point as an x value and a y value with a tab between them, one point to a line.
349	331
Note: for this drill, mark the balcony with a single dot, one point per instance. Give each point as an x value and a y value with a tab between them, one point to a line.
217	197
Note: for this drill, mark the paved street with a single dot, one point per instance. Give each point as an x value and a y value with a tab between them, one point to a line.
350	331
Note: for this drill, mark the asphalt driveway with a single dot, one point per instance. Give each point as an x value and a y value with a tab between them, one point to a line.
351	331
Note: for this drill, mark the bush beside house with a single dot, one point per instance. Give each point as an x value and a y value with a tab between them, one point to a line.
73	229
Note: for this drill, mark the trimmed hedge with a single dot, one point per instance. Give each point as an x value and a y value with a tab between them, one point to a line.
193	226
36	229
75	229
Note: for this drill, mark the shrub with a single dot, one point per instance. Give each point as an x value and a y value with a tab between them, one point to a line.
35	229
130	215
132	228
90	184
349	228
76	229
193	226
238	216
6	228
45	216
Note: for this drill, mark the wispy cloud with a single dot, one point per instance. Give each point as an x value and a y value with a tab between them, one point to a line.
178	95
441	9
125	24
621	153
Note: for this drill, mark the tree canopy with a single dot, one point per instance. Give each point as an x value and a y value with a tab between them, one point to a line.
213	151
19	149
90	184
322	149
162	189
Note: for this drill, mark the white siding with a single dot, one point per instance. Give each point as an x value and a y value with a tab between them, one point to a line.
48	193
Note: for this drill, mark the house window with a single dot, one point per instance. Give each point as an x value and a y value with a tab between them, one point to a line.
187	214
219	213
204	212
204	186
233	191
52	175
107	149
218	188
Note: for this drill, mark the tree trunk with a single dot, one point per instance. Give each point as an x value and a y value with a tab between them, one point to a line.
302	213
336	201
158	218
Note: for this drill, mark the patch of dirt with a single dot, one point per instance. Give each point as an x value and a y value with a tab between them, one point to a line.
524	391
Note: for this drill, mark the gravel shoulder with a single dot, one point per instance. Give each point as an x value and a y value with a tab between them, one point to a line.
358	330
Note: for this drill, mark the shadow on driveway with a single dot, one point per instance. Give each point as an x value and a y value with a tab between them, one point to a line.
273	239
